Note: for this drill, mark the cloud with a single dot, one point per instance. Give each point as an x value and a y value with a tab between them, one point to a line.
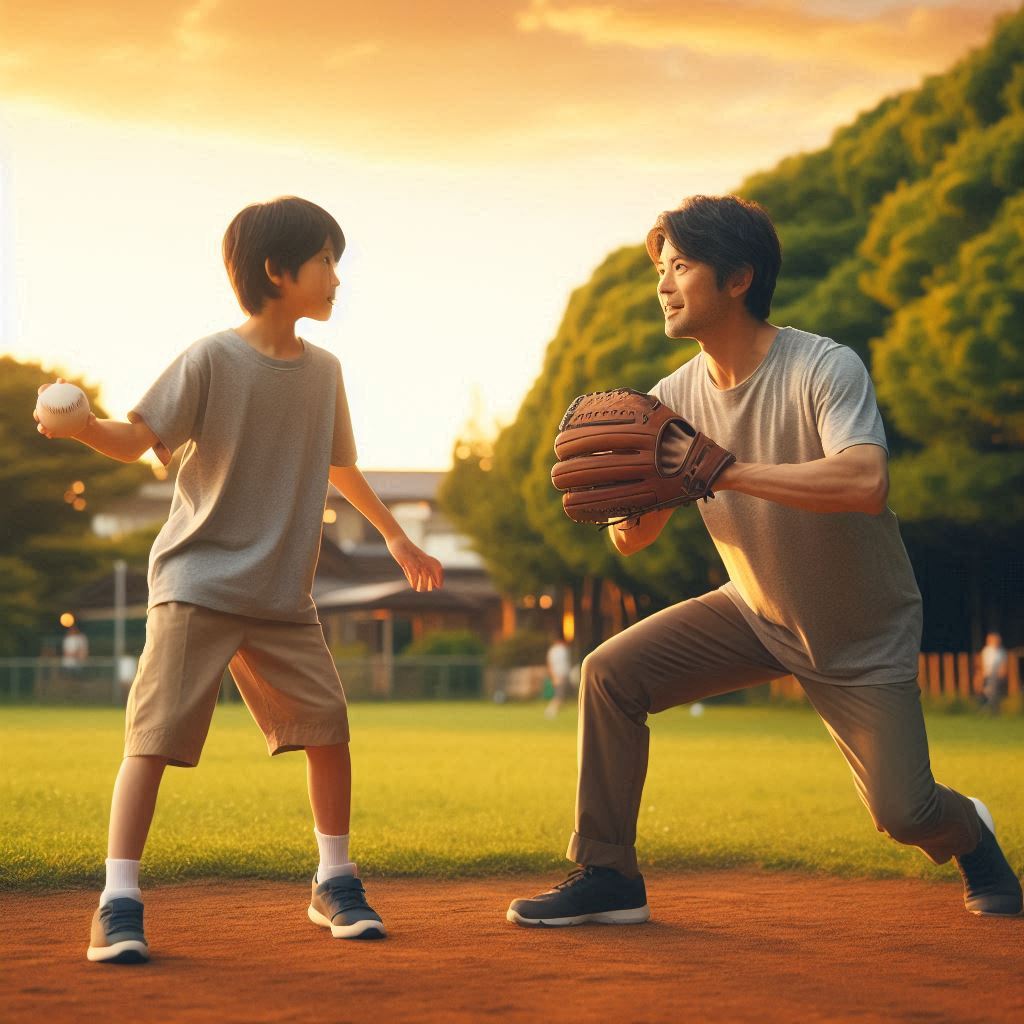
904	36
543	81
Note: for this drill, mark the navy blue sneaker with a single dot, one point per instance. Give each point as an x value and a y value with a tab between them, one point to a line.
117	935
990	886
340	904
600	895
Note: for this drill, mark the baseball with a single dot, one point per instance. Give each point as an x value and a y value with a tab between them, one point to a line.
63	409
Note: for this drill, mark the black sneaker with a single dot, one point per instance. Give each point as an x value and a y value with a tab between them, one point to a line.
340	904
602	895
990	886
117	936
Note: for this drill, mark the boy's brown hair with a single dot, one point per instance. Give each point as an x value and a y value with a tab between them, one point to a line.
287	231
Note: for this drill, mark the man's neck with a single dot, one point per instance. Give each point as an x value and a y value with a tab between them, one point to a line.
736	350
272	334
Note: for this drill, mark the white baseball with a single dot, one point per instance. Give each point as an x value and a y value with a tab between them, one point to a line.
63	409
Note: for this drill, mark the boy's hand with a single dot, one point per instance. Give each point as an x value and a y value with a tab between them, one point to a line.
421	570
46	433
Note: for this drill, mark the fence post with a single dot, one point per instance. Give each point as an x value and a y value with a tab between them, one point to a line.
963	671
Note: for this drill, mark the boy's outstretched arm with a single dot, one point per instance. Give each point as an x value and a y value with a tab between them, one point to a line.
125	442
421	570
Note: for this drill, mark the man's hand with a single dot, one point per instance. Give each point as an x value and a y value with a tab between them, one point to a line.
46	433
421	570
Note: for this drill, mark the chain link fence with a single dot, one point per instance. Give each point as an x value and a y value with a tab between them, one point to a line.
98	681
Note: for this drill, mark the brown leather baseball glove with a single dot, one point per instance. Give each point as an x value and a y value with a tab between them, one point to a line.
623	453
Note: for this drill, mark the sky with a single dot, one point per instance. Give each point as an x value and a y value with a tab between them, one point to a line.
482	159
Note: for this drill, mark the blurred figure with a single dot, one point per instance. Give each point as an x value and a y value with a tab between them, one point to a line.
995	667
559	668
74	650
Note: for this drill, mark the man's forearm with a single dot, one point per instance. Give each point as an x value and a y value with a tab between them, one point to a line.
350	481
847	482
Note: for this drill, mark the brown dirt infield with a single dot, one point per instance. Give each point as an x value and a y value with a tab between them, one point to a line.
722	946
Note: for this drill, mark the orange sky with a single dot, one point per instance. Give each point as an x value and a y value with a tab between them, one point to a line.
482	158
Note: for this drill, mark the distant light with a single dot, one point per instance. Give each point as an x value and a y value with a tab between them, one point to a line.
330	516
546	601
485	464
67	620
78	487
78	504
463	451
69	496
529	601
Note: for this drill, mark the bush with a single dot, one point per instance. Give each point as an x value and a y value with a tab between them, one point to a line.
527	647
451	643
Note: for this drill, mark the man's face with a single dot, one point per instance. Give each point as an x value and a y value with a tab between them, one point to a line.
689	294
312	292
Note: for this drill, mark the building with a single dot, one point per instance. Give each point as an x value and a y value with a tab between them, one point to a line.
365	603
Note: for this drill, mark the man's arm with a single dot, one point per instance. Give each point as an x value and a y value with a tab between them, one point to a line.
854	480
421	570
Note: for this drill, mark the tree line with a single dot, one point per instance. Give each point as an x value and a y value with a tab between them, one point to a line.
904	239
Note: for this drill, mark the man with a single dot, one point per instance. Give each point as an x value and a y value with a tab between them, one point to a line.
820	585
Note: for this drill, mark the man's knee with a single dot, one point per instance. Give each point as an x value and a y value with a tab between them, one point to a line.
606	678
906	821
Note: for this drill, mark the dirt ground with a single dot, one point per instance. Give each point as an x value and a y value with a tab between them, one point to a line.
721	946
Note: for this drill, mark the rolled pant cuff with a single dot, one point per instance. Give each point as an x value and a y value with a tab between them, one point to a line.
596	854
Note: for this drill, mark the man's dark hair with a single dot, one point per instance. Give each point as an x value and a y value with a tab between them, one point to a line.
287	231
728	233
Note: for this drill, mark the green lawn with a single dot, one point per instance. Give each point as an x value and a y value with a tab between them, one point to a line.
450	789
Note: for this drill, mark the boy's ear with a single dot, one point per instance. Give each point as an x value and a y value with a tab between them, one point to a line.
273	272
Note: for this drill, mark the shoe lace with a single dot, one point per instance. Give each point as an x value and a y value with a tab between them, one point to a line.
346	893
578	876
123	917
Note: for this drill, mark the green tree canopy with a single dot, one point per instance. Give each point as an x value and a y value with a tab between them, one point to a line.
46	547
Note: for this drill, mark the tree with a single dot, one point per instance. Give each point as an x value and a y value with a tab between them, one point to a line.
48	493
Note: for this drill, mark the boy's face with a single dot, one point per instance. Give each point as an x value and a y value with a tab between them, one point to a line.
311	292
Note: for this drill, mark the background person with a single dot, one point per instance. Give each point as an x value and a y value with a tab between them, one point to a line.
995	669
559	662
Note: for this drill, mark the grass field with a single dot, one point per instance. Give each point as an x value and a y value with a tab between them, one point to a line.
450	789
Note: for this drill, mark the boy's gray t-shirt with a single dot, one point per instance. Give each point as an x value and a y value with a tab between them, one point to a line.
243	533
831	595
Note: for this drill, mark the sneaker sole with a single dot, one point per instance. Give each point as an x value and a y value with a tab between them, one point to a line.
359	930
637	915
131	951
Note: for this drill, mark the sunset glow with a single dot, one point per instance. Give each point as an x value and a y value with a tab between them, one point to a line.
481	158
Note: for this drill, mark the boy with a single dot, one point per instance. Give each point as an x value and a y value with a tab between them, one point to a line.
820	585
265	421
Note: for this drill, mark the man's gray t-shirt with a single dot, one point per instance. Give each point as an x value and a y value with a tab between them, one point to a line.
243	533
831	595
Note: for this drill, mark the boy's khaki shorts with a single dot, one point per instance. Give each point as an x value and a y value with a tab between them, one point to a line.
283	670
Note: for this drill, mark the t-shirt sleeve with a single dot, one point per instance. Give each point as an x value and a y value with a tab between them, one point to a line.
172	407
845	407
343	446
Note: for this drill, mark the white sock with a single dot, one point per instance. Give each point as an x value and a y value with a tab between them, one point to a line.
333	856
122	881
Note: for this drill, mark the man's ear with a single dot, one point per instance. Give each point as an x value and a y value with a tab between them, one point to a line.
273	271
741	281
